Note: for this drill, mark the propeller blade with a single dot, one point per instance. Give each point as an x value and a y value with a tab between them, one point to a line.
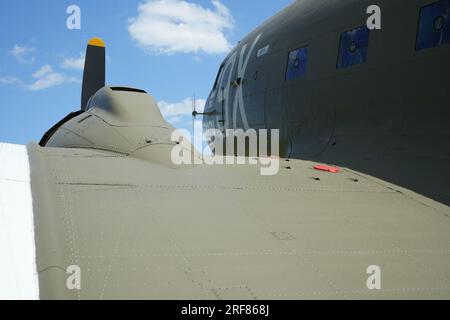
94	70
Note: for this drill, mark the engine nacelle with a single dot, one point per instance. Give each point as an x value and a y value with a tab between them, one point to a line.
118	119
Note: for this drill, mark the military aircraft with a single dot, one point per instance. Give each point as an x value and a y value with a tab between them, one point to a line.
110	207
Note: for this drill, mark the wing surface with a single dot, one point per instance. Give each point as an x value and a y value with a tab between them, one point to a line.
139	230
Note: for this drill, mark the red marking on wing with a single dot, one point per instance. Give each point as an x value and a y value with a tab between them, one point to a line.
327	169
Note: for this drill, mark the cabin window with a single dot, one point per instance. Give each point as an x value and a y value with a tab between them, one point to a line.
353	47
263	51
297	62
434	25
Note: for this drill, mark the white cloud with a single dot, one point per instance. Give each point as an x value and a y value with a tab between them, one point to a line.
23	53
47	78
178	26
175	113
11	81
75	63
44	77
42	71
179	114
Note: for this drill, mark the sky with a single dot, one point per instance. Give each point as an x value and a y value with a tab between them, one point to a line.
170	48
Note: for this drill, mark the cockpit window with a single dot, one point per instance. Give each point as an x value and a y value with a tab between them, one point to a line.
218	76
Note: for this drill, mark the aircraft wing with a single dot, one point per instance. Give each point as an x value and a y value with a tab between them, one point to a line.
143	230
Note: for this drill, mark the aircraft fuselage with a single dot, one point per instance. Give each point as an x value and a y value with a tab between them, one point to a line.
376	101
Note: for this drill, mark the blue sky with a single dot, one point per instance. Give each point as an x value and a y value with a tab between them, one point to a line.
40	58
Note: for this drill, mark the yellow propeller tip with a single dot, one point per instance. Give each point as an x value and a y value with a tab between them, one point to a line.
97	42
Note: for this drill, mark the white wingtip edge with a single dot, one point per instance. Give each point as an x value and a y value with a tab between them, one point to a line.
18	273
